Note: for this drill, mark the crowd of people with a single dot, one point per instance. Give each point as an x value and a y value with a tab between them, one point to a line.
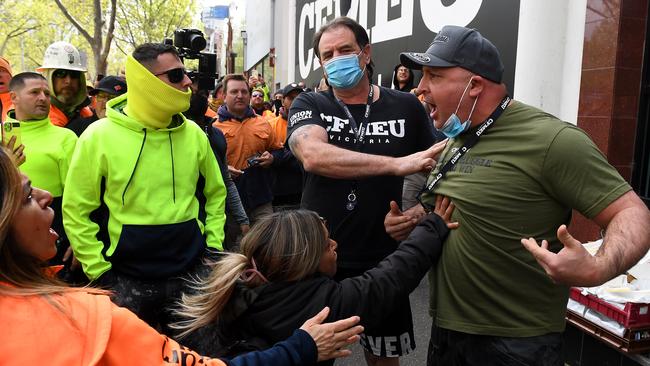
265	228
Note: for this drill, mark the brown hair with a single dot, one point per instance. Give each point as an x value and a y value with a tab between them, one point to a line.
18	81
285	245
238	77
22	272
16	267
359	32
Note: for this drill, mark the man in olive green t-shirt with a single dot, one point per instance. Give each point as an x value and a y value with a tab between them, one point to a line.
495	300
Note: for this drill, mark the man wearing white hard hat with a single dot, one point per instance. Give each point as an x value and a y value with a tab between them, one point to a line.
66	77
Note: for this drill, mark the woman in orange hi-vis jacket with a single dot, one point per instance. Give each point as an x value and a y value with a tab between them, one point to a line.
44	322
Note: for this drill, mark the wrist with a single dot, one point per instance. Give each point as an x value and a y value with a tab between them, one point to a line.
416	212
601	271
395	166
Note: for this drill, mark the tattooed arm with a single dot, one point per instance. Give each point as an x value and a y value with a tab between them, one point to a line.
309	144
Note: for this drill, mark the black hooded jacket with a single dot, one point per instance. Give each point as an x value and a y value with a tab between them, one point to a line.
256	318
409	83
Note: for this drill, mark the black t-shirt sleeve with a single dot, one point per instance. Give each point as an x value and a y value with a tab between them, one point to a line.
304	111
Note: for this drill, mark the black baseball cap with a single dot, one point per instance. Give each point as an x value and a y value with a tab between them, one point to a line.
113	85
291	87
459	46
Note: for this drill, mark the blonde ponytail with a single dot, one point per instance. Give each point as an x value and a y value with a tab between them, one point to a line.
212	294
283	246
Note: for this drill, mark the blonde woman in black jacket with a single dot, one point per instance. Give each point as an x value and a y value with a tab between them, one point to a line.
283	276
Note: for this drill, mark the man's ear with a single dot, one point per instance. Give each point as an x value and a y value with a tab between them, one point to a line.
13	96
367	53
478	83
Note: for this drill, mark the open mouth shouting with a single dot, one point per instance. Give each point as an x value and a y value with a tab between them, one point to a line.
434	110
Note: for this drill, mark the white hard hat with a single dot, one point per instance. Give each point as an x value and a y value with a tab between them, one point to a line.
62	55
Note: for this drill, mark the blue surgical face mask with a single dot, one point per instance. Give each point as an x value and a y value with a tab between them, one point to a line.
343	72
453	127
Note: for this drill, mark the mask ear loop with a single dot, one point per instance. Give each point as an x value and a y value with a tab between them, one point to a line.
365	64
469	118
248	274
463	96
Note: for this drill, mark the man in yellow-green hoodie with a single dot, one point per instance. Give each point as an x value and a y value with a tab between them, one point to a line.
147	164
48	148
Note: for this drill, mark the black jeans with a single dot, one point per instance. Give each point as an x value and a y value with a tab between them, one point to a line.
451	348
154	300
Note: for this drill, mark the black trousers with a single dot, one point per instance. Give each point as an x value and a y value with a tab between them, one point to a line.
451	348
154	300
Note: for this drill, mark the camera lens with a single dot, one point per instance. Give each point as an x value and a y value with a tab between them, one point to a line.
196	42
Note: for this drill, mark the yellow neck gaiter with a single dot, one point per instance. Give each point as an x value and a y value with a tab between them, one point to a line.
151	101
215	104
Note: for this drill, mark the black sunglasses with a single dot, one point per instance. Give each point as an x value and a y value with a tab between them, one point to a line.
174	75
61	73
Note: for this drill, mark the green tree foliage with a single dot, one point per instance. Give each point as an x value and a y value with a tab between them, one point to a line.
152	20
11	29
95	21
27	27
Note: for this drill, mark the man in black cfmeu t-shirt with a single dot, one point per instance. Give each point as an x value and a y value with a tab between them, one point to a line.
354	163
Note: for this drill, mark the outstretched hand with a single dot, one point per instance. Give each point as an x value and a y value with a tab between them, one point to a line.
422	161
398	225
444	208
331	338
572	266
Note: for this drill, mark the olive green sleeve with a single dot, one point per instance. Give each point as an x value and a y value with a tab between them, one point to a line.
577	174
